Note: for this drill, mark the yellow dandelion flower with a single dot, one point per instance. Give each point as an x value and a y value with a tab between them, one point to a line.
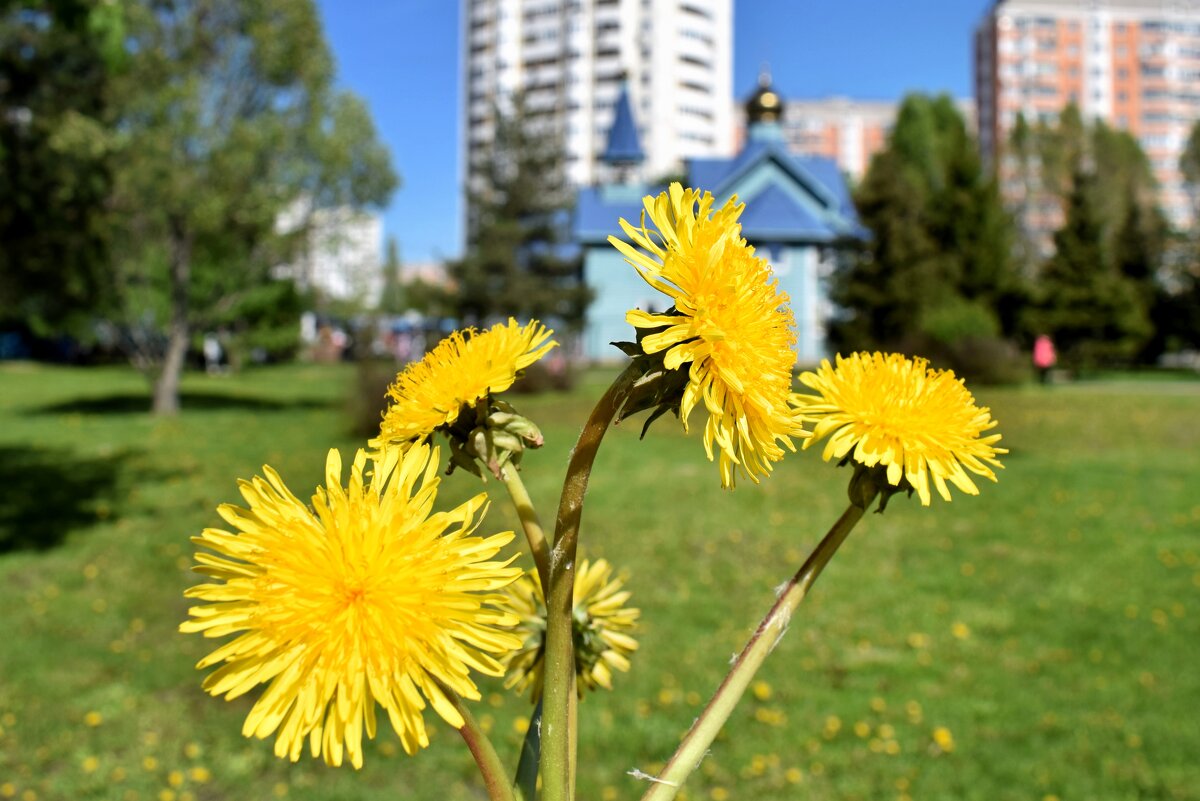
601	620
944	739
462	370
368	597
897	413
731	326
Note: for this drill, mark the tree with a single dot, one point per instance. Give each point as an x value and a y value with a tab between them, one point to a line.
56	61
1091	311
1189	163
518	259
880	288
391	299
1139	245
1176	311
227	119
1130	233
938	265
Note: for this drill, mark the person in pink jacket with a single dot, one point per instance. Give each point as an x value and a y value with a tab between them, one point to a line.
1044	357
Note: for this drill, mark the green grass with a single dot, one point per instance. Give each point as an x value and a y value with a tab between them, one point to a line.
1051	624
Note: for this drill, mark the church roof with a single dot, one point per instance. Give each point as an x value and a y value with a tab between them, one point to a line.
624	146
773	215
597	210
789	198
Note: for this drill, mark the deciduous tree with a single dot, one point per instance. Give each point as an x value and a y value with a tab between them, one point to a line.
228	118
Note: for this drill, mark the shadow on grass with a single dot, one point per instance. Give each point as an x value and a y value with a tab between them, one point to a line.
135	403
48	493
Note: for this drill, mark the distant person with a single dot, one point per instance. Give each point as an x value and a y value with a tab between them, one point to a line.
212	354
1044	357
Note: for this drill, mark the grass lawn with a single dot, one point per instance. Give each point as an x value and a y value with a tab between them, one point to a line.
1050	626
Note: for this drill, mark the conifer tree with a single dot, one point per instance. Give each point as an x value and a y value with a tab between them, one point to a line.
518	260
1176	311
391	299
1091	311
1066	161
881	289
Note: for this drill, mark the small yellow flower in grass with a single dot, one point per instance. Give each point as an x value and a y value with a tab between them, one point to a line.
943	739
730	326
895	413
368	597
601	621
461	371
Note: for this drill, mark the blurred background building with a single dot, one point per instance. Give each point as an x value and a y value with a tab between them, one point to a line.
847	130
569	60
339	257
1133	63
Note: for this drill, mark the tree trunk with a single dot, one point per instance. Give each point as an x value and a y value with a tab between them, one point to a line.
166	387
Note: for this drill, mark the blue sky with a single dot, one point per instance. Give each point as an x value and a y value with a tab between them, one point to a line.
402	57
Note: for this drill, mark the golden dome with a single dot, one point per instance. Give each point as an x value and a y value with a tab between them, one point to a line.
765	105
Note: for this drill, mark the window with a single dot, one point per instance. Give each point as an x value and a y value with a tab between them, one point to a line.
695	111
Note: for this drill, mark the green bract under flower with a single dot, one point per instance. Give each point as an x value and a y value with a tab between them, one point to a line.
601	621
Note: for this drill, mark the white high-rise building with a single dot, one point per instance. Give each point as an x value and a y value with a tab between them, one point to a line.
570	58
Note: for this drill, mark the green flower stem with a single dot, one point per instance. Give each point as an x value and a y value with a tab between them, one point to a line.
534	533
770	631
498	783
559	698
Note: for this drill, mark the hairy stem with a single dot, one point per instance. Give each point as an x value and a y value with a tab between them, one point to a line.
495	779
538	547
768	634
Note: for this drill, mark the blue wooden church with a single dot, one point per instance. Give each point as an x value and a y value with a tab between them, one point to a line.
798	214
